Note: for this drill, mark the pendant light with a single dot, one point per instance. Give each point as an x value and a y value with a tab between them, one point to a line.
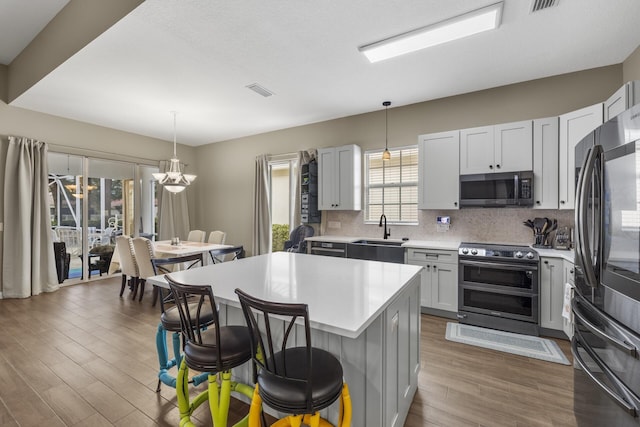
386	155
174	180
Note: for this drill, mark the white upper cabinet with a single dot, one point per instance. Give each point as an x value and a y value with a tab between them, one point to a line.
438	175
501	148
340	178
573	127
623	99
545	163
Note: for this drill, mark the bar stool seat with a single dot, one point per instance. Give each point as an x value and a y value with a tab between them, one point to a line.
289	394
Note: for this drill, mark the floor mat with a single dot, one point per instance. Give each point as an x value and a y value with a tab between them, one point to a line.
523	345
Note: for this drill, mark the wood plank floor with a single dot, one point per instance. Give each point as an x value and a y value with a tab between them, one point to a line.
82	356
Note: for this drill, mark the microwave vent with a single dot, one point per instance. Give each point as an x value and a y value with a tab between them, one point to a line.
537	5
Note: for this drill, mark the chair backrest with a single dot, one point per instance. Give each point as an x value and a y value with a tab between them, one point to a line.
297	237
72	237
226	254
196	236
166	266
192	301
270	335
143	248
128	265
217	237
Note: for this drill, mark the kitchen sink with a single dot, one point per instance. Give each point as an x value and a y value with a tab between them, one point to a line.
378	242
376	250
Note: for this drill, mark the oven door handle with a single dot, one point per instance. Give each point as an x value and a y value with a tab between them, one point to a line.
522	267
623	344
620	399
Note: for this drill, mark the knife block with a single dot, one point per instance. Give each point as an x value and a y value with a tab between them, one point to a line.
542	241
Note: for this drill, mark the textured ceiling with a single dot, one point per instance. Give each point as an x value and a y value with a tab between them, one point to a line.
197	57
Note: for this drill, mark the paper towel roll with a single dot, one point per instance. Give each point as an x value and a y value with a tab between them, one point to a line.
566	304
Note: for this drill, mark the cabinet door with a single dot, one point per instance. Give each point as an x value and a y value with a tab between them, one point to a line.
617	103
425	286
545	163
348	180
476	150
513	147
438	172
444	287
551	293
326	179
567	326
573	127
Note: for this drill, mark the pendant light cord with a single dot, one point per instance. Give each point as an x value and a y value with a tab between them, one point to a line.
175	156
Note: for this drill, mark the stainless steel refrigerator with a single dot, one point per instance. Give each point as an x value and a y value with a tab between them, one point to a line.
606	303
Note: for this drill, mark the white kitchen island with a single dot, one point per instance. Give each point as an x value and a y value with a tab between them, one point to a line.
367	313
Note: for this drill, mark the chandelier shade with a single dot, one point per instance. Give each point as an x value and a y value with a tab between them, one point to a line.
386	155
174	180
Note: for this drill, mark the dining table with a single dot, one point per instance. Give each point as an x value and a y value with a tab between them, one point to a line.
165	249
366	313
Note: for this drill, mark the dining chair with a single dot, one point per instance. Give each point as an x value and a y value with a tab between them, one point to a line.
196	236
226	254
128	265
294	379
143	249
210	348
170	319
217	237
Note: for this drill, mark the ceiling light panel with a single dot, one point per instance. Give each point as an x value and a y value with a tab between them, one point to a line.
259	90
474	22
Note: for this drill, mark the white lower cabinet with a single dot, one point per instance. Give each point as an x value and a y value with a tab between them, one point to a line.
439	286
551	292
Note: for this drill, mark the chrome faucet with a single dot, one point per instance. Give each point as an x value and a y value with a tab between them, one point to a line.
386	233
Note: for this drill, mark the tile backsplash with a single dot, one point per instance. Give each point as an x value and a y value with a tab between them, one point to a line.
485	225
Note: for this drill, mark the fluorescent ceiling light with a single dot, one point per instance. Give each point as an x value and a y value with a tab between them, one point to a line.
477	21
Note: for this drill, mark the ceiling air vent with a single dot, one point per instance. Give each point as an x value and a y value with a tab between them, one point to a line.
537	5
259	90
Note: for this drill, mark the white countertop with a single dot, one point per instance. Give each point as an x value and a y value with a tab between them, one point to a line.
427	244
344	295
556	253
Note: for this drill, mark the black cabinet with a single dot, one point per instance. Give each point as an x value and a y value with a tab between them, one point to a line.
309	193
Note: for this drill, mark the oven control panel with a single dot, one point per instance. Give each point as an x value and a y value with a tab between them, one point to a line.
497	252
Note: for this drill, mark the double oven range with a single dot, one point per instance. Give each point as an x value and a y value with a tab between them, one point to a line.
498	287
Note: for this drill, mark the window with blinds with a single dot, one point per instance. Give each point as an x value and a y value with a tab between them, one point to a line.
391	187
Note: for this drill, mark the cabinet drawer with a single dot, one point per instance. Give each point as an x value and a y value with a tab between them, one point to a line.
431	255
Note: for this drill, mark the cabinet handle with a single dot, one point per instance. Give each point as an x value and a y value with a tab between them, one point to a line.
455	203
546	262
435	267
498	166
562	202
428	267
490	166
571	271
537	202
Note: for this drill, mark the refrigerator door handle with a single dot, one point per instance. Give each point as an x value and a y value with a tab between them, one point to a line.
582	203
620	398
622	344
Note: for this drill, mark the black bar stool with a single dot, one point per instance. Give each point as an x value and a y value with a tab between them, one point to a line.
208	348
299	381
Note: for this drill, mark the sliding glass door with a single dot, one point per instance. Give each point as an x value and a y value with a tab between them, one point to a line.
94	200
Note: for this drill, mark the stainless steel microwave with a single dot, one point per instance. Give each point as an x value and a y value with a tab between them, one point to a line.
497	189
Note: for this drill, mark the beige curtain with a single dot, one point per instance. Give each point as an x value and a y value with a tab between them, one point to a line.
303	158
173	212
261	211
28	267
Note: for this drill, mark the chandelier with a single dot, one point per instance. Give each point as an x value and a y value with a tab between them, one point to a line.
174	180
77	191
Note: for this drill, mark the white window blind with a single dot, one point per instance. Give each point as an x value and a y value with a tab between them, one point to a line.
391	187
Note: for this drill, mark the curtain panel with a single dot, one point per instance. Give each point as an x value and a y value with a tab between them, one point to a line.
28	267
261	211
